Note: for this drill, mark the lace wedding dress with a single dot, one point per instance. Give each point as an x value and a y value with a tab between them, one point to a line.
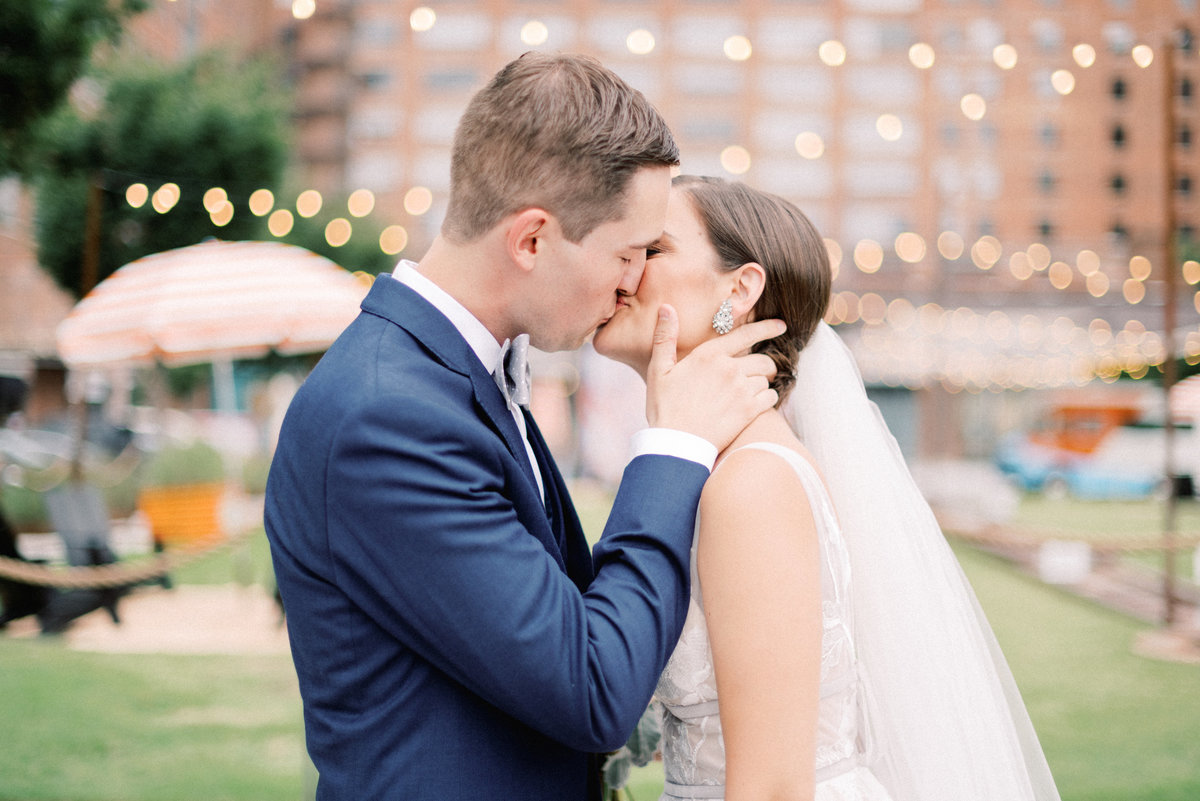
692	745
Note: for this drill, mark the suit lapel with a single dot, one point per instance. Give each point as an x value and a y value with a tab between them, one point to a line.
561	511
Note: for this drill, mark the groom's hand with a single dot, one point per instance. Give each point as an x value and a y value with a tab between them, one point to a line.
716	389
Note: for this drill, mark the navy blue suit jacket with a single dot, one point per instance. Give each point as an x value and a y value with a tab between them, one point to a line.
452	636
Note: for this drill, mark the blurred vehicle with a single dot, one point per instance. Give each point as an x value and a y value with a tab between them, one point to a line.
1127	462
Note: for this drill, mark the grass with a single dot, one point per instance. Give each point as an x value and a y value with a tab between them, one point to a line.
110	727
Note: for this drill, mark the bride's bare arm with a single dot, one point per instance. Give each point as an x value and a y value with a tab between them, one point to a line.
758	564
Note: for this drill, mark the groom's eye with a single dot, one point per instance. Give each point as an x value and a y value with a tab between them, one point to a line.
652	252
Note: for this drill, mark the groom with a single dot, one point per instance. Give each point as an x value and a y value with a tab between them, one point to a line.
453	636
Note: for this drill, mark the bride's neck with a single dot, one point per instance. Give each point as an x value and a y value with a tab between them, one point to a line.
770	426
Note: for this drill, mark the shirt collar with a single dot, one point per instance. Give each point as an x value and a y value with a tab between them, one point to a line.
478	338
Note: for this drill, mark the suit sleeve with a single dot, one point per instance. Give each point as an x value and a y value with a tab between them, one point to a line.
425	537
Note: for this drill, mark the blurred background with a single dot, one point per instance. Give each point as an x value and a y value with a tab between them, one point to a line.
195	194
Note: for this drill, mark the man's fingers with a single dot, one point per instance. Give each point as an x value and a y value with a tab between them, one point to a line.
666	334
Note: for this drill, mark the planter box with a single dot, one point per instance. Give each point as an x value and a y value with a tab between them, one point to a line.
188	514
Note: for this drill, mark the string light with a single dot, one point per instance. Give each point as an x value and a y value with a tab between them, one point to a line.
361	202
393	239
640	42
921	55
338	231
261	202
1084	55
214	199
280	222
303	9
832	53
534	33
1143	55
868	256
810	145
973	107
735	159
308	203
889	127
418	200
137	195
1004	56
422	18
737	48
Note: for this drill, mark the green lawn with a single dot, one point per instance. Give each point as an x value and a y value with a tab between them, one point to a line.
100	727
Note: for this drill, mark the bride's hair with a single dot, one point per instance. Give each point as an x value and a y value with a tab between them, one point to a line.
747	225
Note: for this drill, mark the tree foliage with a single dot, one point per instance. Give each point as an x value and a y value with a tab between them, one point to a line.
210	122
44	48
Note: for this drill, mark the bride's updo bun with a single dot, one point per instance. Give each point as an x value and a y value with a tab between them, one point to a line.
748	225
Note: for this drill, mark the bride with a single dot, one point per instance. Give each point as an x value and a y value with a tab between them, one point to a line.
833	648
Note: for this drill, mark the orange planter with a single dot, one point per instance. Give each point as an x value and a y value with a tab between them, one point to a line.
184	515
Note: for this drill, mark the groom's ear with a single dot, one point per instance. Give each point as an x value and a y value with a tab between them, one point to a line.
526	229
749	281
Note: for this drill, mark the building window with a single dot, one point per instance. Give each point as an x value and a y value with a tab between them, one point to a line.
1187	233
1119	137
1183	185
1186	42
1183	137
1185	89
1117	184
1046	229
1119	232
1119	89
1046	182
1048	134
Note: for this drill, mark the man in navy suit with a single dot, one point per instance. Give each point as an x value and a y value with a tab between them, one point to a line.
453	636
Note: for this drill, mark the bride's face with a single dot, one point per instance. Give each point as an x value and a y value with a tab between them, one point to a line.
682	270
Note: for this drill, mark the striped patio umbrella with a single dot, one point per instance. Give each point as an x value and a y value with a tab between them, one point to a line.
215	301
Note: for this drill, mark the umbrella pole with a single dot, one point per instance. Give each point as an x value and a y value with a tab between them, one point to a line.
224	389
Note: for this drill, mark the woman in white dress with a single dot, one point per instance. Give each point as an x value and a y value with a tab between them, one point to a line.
833	648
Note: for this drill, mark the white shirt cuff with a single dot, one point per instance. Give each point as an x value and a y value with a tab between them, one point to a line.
670	442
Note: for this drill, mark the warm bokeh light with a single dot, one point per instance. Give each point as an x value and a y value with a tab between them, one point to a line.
910	247
1084	55
901	314
1005	56
921	55
872	308
931	318
422	18
165	198
950	245
361	202
835	256
418	200
640	42
1133	290
737	48
1039	256
534	33
1020	266
261	202
308	202
810	145
889	127
1062	81
1087	262
393	239
303	9
973	107
280	222
868	256
986	252
1191	271
1060	274
1097	284
1143	55
1139	268
337	231
222	215
832	53
735	159
214	199
137	195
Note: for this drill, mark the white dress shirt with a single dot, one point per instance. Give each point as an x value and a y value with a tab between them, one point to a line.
662	441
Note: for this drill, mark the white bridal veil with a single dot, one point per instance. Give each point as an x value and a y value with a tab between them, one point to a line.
947	720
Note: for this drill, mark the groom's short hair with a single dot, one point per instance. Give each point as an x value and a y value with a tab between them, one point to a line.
556	131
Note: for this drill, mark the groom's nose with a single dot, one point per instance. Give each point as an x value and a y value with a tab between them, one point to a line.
631	279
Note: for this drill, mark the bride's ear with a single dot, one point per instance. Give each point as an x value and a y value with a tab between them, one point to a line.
749	281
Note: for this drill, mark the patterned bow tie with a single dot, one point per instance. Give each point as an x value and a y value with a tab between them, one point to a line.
512	370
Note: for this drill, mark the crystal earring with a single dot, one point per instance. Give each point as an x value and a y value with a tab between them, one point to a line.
723	320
